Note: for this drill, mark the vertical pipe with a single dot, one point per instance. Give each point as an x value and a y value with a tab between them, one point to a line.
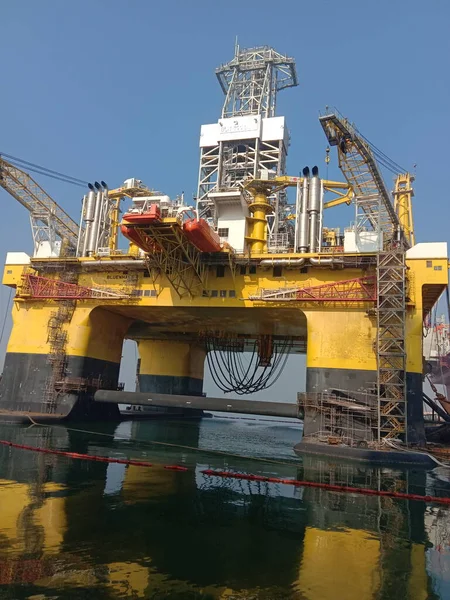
104	230
298	208
115	212
98	219
314	210
303	241
95	224
320	232
88	218
80	229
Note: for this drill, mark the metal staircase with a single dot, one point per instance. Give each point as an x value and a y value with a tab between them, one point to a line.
56	358
391	350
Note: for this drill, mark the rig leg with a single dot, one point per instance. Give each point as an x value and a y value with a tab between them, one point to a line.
341	355
57	357
170	367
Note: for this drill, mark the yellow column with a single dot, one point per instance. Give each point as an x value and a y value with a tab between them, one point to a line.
340	349
340	355
54	346
259	208
171	367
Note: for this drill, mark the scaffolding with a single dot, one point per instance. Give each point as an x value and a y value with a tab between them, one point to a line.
340	417
56	357
57	340
391	350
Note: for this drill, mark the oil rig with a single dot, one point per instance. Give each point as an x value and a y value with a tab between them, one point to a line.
240	279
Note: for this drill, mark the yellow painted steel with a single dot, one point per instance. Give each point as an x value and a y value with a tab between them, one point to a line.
97	334
283	181
338	337
403	195
29	332
341	339
92	332
342	199
427	279
12	275
176	359
260	208
115	218
329	560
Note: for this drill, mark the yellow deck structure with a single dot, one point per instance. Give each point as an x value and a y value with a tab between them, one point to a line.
338	337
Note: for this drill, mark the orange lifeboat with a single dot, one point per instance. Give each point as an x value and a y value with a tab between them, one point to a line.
201	235
138	236
153	215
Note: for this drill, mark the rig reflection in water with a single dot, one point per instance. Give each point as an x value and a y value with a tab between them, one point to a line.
73	529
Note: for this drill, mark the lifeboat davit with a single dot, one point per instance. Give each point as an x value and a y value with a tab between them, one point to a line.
153	215
139	238
201	235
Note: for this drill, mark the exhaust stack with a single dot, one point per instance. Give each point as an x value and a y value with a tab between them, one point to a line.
315	211
303	219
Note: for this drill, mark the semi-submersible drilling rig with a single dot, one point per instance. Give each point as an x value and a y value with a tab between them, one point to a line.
243	273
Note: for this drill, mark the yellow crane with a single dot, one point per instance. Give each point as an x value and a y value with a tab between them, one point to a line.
393	224
48	220
374	207
403	194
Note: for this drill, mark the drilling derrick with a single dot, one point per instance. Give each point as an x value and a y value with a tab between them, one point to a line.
248	140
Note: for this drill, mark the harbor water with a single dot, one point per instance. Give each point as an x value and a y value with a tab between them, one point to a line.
72	529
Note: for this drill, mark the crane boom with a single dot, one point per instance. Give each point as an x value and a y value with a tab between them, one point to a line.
361	170
47	217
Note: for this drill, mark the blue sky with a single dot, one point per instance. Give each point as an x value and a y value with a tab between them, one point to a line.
107	89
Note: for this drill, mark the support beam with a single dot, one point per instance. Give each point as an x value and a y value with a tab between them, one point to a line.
252	407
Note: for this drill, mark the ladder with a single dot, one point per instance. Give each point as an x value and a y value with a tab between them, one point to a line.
391	350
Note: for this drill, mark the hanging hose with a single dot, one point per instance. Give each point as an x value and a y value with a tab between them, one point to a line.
231	375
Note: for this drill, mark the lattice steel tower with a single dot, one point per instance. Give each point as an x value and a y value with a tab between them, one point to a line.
248	139
252	79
